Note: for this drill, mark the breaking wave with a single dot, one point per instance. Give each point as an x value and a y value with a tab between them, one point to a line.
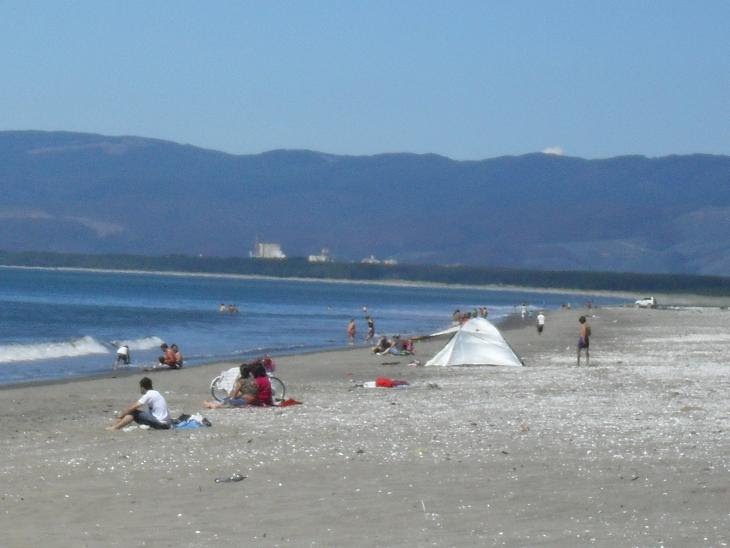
140	344
83	346
48	350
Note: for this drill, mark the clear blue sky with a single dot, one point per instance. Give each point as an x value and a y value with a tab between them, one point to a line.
468	80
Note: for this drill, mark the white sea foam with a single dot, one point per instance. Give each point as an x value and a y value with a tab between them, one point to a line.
141	344
48	350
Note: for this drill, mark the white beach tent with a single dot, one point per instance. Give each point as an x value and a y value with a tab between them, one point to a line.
477	342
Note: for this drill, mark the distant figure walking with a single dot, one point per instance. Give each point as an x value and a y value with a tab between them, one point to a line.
351	331
540	322
371	329
523	311
584	337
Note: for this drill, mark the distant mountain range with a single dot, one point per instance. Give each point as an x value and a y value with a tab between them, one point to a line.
72	192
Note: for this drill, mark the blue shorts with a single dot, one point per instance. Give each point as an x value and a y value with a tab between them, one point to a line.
145	417
235	402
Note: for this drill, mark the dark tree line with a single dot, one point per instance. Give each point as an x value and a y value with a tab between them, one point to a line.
301	268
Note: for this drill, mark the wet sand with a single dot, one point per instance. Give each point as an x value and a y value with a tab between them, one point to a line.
632	451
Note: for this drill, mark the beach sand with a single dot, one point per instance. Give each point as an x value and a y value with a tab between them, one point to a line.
632	451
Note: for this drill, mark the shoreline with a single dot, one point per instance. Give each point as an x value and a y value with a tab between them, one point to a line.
129	371
511	321
225	362
631	451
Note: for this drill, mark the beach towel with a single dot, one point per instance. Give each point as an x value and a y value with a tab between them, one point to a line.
186	422
188	425
385	382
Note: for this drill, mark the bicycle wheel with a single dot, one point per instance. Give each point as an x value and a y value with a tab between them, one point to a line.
216	390
277	389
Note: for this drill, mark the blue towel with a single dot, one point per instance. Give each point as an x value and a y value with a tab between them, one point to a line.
189	425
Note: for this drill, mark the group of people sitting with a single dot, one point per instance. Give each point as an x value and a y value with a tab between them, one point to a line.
171	356
251	388
462	317
396	346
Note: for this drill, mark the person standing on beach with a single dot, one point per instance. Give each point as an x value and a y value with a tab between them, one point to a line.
150	409
351	331
584	336
540	322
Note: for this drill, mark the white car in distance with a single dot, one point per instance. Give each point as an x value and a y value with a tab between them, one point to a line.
646	302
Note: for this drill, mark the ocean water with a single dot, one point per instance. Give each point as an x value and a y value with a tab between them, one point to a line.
57	324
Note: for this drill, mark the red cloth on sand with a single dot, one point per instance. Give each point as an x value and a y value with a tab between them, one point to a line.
385	382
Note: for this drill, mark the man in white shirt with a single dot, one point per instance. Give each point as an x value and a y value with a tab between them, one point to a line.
123	357
150	409
540	322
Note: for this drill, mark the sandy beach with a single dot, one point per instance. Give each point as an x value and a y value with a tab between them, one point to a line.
632	451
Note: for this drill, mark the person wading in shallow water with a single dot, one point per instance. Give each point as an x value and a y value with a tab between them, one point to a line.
351	331
584	336
371	329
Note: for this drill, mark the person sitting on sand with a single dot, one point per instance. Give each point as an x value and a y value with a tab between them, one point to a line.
251	388
398	347
150	409
584	336
265	395
178	355
409	346
168	357
243	391
382	346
